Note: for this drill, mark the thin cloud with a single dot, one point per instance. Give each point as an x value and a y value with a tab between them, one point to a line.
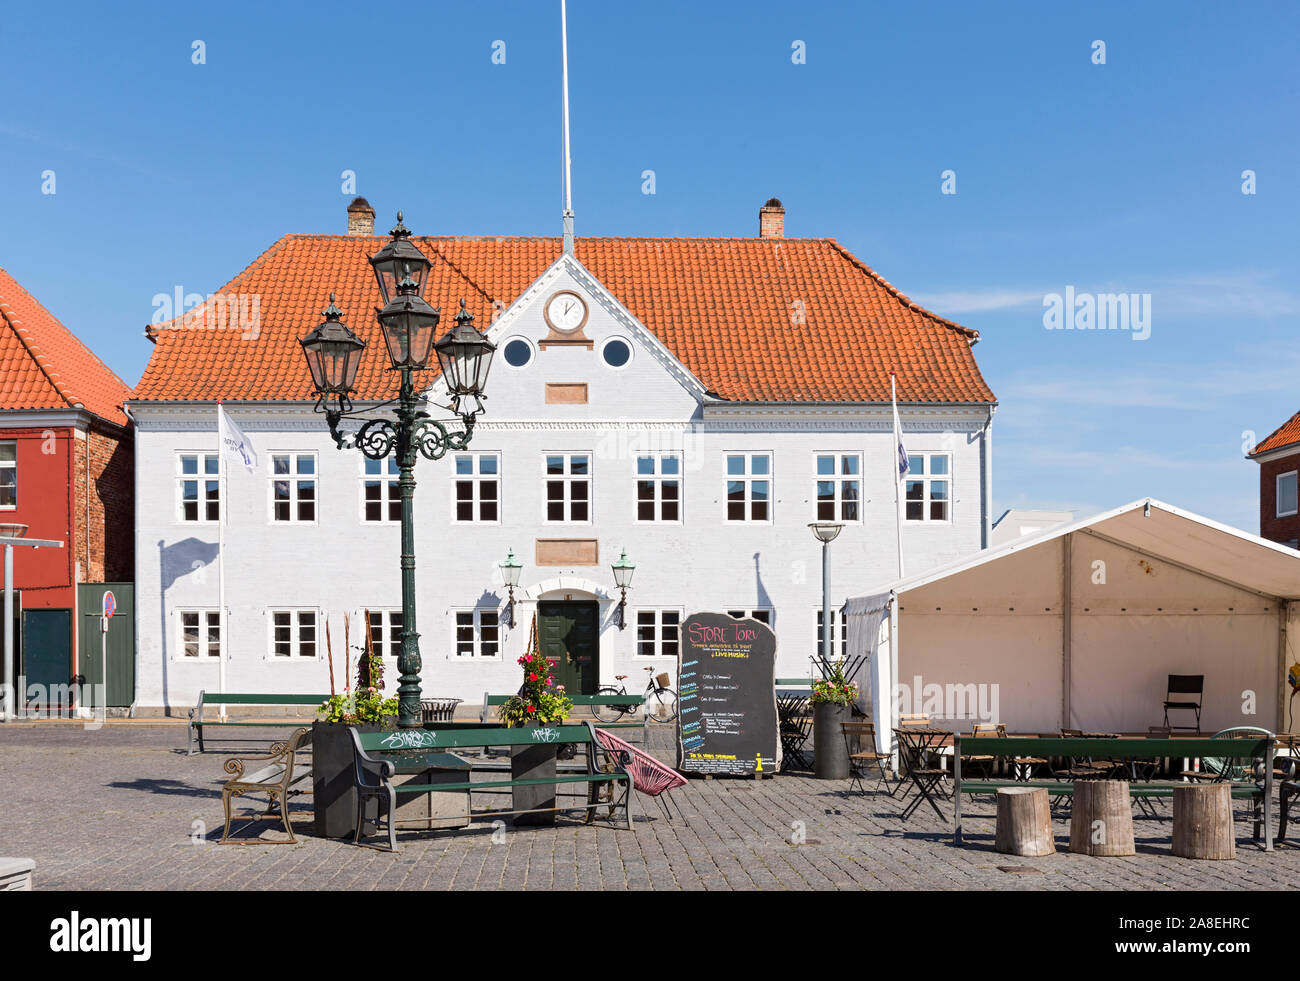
1224	294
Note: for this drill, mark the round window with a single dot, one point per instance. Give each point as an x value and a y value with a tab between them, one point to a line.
617	352
518	352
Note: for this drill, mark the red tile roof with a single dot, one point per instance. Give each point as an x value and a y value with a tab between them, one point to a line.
44	366
1288	434
726	308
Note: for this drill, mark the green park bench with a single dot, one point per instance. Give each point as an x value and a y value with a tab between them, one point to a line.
582	701
375	768
197	722
1223	751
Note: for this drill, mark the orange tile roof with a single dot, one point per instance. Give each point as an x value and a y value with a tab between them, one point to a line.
44	366
724	307
1287	434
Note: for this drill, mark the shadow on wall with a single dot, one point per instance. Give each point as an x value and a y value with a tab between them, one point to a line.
174	561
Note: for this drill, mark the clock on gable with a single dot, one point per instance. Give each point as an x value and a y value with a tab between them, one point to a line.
565	312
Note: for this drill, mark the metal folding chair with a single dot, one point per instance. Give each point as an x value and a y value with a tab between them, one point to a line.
864	755
1184	685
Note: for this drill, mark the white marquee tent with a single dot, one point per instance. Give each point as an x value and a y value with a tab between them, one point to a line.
1080	626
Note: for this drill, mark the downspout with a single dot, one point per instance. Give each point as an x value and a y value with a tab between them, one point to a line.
987	438
135	671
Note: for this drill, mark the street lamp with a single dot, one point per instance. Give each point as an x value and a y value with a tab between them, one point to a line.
826	532
408	324
623	570
510	577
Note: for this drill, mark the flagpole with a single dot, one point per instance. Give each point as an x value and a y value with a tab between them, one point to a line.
222	506
898	477
568	184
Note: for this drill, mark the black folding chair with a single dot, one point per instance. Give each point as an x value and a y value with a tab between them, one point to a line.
1185	685
860	741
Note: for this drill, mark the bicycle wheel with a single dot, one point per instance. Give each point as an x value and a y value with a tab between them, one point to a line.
609	713
661	706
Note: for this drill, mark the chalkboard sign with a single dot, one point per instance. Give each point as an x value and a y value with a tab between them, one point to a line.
726	678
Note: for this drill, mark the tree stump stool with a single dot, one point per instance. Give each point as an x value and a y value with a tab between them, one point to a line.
1203	821
1101	820
1025	822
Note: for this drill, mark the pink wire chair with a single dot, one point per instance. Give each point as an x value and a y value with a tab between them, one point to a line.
649	776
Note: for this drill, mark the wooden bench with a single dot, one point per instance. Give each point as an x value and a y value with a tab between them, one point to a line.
586	701
197	722
1115	749
281	769
375	769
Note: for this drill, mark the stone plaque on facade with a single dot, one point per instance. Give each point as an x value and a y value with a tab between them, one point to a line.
726	682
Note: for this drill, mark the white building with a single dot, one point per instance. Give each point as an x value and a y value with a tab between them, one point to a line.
707	400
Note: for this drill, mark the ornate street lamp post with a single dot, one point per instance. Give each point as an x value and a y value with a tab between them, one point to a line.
826	532
408	323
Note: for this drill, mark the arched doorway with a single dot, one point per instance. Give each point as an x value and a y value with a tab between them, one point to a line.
568	631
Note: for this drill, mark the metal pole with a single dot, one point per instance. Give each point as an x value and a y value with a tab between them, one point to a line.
568	187
408	689
827	633
9	633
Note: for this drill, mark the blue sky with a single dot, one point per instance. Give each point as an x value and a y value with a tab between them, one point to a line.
1123	177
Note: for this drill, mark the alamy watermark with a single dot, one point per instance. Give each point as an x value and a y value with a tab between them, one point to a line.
976	702
216	311
91	701
1098	311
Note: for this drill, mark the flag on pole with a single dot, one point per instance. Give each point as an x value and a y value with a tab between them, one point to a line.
235	446
903	462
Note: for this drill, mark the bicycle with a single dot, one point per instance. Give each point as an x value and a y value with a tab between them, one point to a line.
660	700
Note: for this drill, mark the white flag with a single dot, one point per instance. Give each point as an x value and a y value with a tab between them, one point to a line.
903	462
234	444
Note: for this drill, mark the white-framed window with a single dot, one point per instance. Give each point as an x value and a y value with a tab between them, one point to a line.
381	497
198	487
749	487
659	487
8	474
477	487
294	635
199	634
761	615
293	486
518	352
477	633
616	352
1286	494
658	632
839	487
928	494
568	487
839	634
386	632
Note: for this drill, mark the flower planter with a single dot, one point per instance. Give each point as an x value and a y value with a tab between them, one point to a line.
533	762
830	753
333	779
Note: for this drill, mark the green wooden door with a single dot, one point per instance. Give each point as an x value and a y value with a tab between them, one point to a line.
47	659
121	642
569	636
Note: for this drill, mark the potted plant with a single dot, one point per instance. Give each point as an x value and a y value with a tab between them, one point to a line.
364	707
832	701
540	701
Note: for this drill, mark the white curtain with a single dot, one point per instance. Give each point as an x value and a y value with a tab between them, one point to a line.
868	635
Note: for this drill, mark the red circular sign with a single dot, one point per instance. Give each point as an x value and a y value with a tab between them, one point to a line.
110	604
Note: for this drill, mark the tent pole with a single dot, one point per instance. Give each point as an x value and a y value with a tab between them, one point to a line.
1284	611
1067	580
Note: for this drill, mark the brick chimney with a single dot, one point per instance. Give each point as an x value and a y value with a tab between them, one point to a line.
771	219
361	217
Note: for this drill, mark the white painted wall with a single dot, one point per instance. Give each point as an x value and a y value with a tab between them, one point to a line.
341	564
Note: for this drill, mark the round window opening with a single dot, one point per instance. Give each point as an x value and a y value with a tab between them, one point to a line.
518	353
617	352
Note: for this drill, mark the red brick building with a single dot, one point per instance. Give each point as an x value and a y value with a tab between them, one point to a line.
1278	456
66	471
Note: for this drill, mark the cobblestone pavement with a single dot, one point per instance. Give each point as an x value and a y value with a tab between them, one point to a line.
125	808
